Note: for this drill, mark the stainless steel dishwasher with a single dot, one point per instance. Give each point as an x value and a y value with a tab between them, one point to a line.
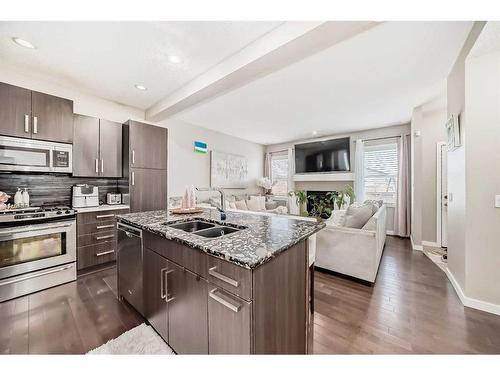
130	259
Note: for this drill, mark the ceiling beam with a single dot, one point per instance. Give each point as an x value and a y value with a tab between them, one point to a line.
288	43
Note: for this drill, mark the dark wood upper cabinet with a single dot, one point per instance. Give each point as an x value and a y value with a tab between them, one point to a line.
86	146
148	146
97	147
110	149
15	111
52	118
148	189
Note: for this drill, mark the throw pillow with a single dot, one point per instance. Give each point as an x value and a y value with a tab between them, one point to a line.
241	205
253	204
370	224
261	199
356	217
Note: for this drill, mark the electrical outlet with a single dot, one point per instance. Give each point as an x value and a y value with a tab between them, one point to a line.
497	201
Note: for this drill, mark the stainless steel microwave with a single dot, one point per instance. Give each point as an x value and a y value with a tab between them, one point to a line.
31	155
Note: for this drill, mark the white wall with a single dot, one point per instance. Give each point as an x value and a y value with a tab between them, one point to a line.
187	167
83	103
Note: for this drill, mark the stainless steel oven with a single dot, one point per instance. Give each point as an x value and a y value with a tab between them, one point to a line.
37	251
31	155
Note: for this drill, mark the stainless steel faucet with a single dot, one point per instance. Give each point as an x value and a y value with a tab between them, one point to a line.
222	208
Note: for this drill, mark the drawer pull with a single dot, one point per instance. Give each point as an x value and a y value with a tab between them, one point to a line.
104	216
104	253
105	226
222	301
212	271
104	237
33	275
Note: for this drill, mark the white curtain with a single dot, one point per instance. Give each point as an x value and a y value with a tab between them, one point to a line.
293	207
267	165
402	210
359	186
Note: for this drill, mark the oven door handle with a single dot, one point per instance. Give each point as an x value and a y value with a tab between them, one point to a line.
8	232
33	275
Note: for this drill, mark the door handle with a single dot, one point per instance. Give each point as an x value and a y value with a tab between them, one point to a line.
26	123
133	156
165	275
102	165
35	124
133	178
212	294
96	165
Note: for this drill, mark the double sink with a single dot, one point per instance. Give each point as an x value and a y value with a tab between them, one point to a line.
204	228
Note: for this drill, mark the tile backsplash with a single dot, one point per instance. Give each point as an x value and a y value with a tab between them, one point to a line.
50	188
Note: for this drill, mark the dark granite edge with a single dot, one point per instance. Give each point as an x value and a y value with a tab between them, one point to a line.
221	255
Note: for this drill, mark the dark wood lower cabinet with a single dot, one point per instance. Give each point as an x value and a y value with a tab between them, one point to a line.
270	314
155	306
229	323
187	311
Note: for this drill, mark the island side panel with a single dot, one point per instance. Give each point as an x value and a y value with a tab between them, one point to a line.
280	303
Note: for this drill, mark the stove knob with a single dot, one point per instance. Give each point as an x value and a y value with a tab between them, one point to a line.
59	212
67	212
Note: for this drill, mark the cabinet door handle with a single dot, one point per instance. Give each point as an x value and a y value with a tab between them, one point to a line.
133	178
104	253
102	165
96	165
133	156
212	294
163	293
35	124
166	294
98	238
26	123
105	226
104	216
212	271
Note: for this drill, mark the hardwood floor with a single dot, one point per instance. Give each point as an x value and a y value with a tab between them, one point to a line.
72	318
411	309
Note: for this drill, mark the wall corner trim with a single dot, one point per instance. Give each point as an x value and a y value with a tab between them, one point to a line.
471	302
415	247
430	244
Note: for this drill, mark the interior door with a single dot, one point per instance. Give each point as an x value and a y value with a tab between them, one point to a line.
52	118
155	305
110	149
444	196
187	311
15	111
148	189
86	146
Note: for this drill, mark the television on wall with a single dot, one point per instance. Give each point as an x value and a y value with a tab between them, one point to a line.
332	155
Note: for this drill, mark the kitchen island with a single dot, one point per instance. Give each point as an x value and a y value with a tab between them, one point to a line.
203	292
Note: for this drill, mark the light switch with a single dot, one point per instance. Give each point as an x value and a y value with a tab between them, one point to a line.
497	201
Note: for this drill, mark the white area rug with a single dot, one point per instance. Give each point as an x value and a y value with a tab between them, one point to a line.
139	340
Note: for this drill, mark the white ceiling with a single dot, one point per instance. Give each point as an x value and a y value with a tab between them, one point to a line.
108	58
371	80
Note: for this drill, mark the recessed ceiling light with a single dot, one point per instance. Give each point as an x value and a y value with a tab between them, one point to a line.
23	43
315	132
141	87
174	59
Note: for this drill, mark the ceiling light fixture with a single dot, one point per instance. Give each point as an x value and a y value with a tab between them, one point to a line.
23	43
315	132
141	87
174	59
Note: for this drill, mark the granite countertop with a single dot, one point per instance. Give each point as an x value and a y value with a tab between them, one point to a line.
264	238
103	207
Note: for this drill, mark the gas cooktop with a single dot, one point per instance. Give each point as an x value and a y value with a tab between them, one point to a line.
35	213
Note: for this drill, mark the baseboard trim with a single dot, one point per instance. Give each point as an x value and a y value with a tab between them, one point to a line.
471	302
430	244
416	247
390	233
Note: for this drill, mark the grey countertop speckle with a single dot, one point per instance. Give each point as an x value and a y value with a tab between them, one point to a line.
263	239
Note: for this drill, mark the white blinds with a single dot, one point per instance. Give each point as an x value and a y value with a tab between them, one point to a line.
381	171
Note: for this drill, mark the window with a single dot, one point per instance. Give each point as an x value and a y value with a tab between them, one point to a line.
279	173
381	171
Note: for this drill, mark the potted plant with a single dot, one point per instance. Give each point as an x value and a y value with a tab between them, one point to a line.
301	199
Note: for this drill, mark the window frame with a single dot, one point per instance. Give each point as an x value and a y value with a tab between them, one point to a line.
283	155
